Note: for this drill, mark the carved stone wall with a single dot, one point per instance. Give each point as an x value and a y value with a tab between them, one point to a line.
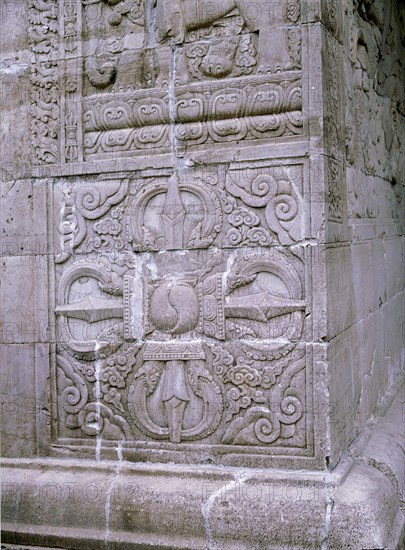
203	183
365	277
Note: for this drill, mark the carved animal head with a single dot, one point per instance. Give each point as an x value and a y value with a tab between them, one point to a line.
236	279
220	58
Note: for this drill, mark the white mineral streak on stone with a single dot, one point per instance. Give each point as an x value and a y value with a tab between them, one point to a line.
97	391
119	451
150	264
231	260
239	478
178	162
109	491
327	524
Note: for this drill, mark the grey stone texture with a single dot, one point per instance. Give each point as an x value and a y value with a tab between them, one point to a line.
202	270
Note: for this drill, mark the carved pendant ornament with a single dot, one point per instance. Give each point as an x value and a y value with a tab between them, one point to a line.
164	337
131	76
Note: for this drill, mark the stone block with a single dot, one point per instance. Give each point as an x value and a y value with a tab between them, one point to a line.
24	218
340	289
24	321
18	402
394	267
363	280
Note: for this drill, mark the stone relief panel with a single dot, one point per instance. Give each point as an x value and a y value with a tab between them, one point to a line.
131	76
336	195
222	205
333	97
373	87
170	330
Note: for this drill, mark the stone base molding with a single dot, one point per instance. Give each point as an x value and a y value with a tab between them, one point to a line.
56	503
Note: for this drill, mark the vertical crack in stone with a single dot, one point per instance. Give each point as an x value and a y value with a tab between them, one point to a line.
240	477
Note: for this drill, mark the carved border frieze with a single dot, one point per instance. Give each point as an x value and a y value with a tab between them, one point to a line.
44	40
111	77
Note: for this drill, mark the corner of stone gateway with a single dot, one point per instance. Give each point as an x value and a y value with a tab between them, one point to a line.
202	274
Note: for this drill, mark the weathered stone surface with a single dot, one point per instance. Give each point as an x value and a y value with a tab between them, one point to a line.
92	504
202	265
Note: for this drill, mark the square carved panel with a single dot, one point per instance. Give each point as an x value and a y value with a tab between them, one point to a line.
180	310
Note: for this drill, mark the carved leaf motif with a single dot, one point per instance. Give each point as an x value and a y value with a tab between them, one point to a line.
93	202
73	397
98	419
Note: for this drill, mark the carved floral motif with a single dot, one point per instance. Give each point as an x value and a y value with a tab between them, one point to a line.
44	43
